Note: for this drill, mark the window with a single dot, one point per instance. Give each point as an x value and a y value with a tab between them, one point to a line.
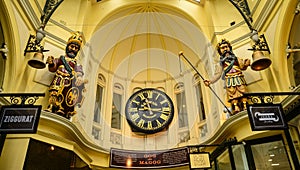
270	155
98	101
116	107
96	128
223	161
295	134
199	96
240	158
42	155
262	153
181	106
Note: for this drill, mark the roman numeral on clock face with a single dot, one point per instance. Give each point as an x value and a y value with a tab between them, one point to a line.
141	95
141	123
166	109
164	117
133	109
149	94
149	125
134	117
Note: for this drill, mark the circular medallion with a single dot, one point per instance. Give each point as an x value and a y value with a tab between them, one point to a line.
72	96
149	110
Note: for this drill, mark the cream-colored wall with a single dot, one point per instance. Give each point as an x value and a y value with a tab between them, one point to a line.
280	69
14	153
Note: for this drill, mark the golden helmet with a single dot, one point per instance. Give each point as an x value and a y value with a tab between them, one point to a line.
76	38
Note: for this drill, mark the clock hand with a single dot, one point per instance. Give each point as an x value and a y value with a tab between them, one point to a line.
152	109
149	108
156	109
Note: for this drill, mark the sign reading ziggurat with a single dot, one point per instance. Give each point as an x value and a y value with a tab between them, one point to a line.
19	118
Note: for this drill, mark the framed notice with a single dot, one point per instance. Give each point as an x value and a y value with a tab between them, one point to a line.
199	160
266	117
156	159
19	118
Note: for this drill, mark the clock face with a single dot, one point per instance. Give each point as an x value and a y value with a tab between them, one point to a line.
149	110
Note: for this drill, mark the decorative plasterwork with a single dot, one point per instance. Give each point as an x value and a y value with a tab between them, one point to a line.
67	128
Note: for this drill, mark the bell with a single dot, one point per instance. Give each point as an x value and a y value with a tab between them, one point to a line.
260	61
296	61
37	61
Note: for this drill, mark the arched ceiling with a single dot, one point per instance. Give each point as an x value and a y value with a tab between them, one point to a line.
136	41
126	38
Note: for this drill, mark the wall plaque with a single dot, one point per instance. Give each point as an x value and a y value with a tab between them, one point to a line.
149	159
19	118
199	160
266	117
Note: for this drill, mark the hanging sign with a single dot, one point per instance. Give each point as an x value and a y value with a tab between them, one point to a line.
19	118
149	159
266	117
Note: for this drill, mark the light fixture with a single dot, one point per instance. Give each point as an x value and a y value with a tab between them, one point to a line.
52	148
34	43
129	162
260	61
277	164
40	34
260	42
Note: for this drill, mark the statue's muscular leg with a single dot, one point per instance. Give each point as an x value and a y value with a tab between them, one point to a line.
236	108
244	100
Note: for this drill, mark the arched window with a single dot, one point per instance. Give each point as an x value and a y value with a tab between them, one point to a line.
199	97
99	96
181	105
116	106
96	130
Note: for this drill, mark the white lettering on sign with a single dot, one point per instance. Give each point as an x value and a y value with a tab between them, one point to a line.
17	119
266	116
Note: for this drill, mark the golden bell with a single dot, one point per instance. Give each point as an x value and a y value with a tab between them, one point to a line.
37	61
296	61
260	61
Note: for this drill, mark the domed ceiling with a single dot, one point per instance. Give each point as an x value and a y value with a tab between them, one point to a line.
141	43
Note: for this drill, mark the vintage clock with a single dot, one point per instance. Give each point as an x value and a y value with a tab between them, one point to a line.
149	110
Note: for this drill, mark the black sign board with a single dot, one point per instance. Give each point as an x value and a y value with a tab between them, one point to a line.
199	160
266	117
149	159
19	118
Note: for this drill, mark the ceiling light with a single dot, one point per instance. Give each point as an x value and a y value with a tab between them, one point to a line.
275	164
52	148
